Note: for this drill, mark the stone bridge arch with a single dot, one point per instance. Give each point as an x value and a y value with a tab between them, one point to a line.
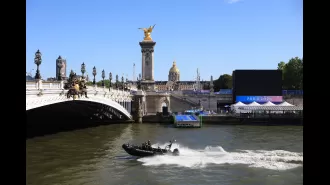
107	103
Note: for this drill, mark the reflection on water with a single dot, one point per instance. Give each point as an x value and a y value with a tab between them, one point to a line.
210	155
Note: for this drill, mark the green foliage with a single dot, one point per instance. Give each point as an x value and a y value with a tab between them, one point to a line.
225	81
292	73
89	83
99	83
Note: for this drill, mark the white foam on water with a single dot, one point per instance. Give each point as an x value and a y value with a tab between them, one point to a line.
275	159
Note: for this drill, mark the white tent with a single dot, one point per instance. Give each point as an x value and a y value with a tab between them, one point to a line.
268	104
239	104
285	104
253	104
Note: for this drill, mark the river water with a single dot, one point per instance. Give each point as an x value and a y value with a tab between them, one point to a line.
214	154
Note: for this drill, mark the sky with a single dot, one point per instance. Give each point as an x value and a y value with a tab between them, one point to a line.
215	36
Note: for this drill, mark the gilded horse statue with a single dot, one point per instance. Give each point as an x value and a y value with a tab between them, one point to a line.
147	32
76	88
82	88
73	91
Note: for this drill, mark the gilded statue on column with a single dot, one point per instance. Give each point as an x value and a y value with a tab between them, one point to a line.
147	32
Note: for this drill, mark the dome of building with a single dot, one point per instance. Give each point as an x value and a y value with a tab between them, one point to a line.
174	74
174	69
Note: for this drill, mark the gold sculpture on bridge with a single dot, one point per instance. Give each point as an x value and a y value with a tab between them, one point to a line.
147	32
76	87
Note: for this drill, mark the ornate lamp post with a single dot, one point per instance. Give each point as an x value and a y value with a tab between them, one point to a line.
59	75
103	76
83	69
129	86
37	61
110	78
126	84
117	81
122	82
139	82
94	74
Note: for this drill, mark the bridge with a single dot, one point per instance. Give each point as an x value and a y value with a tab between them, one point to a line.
101	104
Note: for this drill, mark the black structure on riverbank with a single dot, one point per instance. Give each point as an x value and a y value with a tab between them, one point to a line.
257	83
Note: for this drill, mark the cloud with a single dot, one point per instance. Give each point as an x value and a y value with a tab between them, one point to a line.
232	1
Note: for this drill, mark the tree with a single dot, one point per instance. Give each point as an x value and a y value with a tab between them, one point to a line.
99	83
89	83
292	73
225	81
106	83
281	66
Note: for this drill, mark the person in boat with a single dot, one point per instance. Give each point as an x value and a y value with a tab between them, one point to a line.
160	150
146	146
143	146
149	145
170	145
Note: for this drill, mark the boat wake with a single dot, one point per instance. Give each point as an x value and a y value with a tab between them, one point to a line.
127	157
275	159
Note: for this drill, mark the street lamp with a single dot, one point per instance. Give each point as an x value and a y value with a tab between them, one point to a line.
126	84
71	75
83	69
129	86
94	74
59	75
37	61
117	81
139	82
103	76
122	82
110	78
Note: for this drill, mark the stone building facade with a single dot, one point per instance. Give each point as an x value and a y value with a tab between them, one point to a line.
174	82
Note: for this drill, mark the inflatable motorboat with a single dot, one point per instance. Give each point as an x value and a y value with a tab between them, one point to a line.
145	150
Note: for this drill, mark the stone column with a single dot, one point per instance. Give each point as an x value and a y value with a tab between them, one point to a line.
211	86
62	84
137	108
39	84
147	49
